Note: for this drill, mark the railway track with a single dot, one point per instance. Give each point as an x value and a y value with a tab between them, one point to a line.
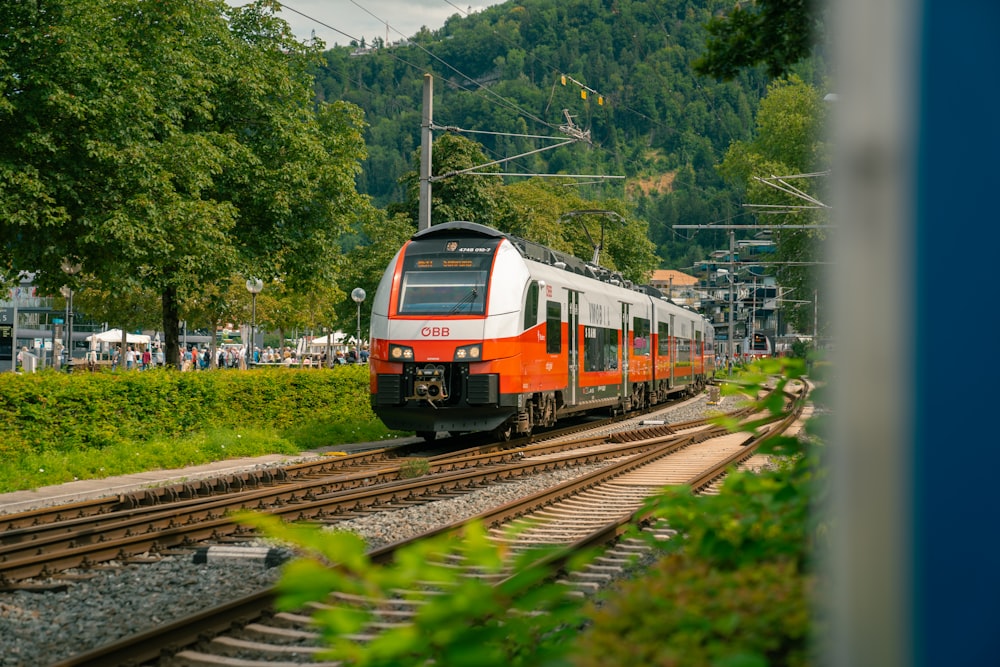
45	542
593	509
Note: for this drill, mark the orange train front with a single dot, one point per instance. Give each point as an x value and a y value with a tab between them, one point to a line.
476	330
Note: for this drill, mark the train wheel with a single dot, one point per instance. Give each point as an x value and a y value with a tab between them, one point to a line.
504	432
428	436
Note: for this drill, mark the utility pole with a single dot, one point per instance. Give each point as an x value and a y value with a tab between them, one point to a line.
426	178
732	303
424	214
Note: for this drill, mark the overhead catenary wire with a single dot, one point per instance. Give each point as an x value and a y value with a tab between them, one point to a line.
504	101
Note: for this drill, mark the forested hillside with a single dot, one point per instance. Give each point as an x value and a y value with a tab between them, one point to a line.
621	70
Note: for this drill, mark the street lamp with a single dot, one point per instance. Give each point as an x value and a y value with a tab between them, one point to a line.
254	286
70	268
358	295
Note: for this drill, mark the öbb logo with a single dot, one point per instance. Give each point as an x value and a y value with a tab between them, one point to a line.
435	332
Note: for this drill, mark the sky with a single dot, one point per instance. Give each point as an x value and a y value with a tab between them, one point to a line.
340	21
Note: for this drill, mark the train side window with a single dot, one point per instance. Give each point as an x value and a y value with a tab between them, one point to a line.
663	342
640	336
553	327
600	349
531	306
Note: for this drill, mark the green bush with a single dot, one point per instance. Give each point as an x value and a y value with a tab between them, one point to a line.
685	612
54	412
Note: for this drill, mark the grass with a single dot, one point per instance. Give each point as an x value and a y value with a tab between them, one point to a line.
34	470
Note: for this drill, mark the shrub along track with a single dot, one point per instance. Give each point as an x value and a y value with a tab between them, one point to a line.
594	509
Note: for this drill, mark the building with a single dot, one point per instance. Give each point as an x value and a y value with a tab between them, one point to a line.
677	286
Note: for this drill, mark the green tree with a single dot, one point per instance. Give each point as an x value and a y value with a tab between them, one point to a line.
473	198
169	145
534	210
129	308
774	33
637	53
381	239
546	213
788	142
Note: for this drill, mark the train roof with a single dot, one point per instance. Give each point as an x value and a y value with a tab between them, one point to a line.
537	252
540	253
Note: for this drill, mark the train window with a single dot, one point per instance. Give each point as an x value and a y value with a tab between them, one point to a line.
663	342
683	350
640	336
443	293
553	327
531	306
600	349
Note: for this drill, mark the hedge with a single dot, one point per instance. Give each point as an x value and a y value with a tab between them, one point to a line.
50	411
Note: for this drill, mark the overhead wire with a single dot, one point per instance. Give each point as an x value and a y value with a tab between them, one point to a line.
502	100
559	75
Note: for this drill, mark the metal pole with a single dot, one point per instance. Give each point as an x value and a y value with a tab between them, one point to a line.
753	315
816	319
732	305
254	286
253	327
69	328
66	319
424	213
16	292
358	295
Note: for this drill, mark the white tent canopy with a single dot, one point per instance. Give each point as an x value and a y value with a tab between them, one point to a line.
115	336
323	341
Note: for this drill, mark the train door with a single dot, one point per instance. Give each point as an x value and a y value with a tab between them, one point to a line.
671	341
698	362
623	348
573	336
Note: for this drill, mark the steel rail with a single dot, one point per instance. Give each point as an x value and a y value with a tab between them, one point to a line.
160	642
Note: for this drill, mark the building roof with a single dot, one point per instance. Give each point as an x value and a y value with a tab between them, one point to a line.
673	277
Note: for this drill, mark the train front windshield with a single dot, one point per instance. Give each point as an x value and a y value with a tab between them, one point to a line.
446	277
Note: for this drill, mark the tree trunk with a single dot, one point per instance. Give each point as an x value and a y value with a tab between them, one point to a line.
171	329
213	346
123	350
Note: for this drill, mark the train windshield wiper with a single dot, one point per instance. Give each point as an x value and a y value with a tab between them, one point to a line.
467	300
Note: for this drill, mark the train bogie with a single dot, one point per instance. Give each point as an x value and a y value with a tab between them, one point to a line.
474	330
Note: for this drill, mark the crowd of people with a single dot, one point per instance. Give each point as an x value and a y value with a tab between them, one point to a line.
194	358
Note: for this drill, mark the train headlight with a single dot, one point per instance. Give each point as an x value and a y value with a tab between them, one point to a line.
469	352
400	352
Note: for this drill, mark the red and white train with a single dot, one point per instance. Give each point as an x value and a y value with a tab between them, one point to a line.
476	330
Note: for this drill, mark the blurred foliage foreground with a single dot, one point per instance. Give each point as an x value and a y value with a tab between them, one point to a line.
57	427
736	587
